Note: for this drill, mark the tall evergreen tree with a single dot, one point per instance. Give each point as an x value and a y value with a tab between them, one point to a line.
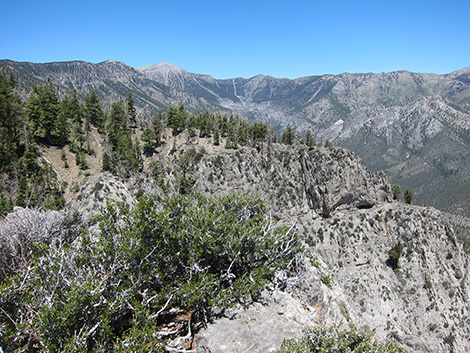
10	121
309	140
259	131
176	118
42	109
158	125
71	114
131	115
288	136
93	111
125	156
205	124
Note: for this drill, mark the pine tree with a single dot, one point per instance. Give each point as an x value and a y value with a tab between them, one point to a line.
93	112
287	137
176	119
130	111
205	124
408	196
259	131
309	140
216	137
242	133
10	122
42	109
106	163
158	125
125	154
396	191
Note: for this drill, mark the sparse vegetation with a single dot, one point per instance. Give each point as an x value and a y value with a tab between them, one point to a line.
394	255
337	340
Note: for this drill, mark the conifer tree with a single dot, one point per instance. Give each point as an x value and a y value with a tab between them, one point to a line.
242	133
287	137
231	141
223	122
42	109
259	131
176	119
93	112
130	111
408	196
10	121
205	124
216	137
158	125
309	140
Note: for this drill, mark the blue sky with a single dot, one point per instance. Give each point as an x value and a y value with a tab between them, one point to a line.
243	38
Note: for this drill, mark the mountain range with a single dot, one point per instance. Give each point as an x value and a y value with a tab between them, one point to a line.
413	126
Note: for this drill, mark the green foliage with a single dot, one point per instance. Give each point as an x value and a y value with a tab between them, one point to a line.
259	131
326	280
408	196
6	205
309	140
396	191
216	137
130	110
148	137
92	111
10	122
42	110
205	124
288	136
394	255
185	167
124	157
336	340
176	118
107	293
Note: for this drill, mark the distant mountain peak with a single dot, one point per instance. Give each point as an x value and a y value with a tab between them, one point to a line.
163	68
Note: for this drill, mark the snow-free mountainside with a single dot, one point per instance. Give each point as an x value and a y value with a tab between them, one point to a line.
139	216
413	126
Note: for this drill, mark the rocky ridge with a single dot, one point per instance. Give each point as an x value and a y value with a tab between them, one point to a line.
413	126
346	216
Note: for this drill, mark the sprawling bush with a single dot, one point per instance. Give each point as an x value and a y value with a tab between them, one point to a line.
109	290
24	227
336	340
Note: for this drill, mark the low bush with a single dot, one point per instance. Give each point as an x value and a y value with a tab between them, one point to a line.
336	340
108	290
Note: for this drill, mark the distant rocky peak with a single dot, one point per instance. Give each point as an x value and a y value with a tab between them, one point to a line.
162	68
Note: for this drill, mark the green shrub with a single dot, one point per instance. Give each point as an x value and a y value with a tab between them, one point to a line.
394	255
336	340
107	291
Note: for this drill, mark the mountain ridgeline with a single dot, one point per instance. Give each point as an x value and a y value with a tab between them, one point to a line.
415	127
227	236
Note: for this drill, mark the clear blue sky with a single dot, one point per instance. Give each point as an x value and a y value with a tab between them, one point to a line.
243	38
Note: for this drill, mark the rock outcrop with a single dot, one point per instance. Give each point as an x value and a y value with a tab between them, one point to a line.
294	180
349	280
397	270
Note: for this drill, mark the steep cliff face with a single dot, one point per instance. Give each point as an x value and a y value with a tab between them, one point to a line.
399	270
294	180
